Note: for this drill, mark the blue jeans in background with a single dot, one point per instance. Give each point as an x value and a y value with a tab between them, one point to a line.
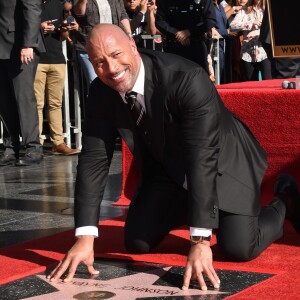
86	67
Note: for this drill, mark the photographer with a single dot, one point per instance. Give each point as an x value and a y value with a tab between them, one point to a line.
51	71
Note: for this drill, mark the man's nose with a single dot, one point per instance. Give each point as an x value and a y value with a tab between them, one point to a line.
111	66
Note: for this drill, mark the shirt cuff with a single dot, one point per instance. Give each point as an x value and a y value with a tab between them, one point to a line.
195	231
87	230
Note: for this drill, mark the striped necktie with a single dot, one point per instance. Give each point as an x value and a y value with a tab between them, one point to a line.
137	111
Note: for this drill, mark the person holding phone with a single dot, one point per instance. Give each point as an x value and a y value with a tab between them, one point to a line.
141	14
253	56
51	71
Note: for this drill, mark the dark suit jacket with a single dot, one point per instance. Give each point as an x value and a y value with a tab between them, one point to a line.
201	145
20	22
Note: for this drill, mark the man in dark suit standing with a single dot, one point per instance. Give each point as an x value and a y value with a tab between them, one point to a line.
20	41
199	164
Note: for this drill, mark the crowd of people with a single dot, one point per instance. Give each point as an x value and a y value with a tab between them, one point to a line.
188	29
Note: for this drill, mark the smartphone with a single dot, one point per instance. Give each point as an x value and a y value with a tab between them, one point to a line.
53	21
70	20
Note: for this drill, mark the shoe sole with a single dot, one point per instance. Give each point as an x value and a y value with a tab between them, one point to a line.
26	165
9	164
65	154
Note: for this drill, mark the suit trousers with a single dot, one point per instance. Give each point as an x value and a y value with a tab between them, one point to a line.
49	84
161	205
18	108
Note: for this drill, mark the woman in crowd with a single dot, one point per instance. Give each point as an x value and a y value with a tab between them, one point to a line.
253	56
233	48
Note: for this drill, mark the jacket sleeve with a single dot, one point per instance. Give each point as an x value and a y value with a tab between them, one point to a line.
32	22
199	129
123	12
93	165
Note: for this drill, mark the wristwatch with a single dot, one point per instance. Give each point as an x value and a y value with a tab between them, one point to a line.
199	239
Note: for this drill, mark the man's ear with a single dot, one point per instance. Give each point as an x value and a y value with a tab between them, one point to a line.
133	45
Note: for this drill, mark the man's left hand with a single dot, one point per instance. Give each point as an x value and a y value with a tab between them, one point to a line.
199	262
26	55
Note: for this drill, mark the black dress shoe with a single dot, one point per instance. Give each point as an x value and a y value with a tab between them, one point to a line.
7	159
29	160
287	190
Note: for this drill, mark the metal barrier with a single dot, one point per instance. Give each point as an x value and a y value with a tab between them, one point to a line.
216	59
79	100
156	39
1	132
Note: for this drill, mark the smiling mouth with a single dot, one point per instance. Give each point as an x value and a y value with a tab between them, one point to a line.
119	75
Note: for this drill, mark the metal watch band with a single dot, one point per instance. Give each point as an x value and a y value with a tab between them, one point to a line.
199	239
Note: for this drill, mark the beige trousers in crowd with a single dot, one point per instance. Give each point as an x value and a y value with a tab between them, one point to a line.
49	87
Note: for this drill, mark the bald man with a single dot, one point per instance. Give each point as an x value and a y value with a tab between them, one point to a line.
200	166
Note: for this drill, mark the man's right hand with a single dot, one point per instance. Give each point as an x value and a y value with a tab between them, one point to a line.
199	262
183	37
47	27
82	251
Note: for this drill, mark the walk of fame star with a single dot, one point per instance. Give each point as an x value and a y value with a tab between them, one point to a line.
122	288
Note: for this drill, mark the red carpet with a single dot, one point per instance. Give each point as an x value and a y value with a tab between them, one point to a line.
281	258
